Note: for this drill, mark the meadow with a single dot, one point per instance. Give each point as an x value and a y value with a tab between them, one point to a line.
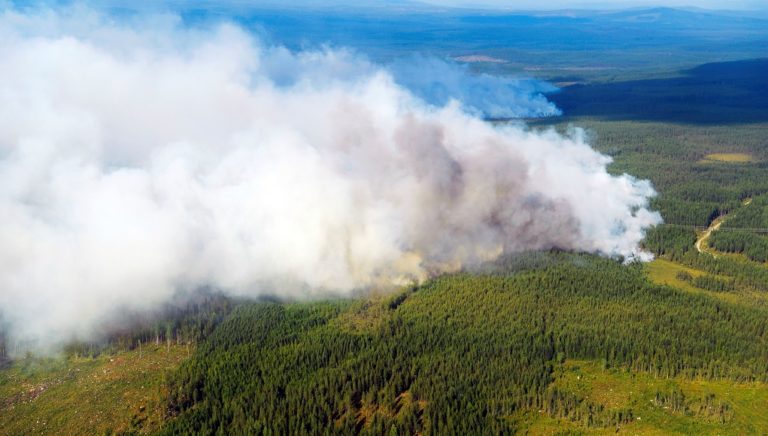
121	393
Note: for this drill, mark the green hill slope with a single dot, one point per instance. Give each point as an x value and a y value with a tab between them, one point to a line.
120	392
484	352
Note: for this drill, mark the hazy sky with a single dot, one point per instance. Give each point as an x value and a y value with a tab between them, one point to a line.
614	4
493	4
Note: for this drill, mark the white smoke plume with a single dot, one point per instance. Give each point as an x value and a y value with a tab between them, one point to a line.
437	82
139	159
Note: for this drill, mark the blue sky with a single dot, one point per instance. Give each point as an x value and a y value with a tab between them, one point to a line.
490	4
590	4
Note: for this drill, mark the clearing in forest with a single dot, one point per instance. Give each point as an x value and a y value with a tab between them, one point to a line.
659	405
121	392
728	158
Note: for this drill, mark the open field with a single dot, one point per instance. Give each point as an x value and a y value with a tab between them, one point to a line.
728	157
118	393
743	404
664	272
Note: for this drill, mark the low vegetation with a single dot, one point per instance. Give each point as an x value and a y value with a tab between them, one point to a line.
673	405
728	157
122	392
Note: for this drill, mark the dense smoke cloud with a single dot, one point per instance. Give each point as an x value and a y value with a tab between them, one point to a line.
137	160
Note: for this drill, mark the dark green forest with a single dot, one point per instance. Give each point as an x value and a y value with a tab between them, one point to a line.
754	247
459	353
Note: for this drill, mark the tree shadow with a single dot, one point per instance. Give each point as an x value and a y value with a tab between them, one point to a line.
713	93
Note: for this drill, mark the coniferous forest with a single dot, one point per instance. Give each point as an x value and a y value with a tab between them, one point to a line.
460	353
535	342
487	349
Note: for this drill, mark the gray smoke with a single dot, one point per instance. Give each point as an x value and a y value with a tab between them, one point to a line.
438	82
137	160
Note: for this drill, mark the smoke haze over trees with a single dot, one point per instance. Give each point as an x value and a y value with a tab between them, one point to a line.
137	160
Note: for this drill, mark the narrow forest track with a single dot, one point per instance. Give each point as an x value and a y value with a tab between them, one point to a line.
701	243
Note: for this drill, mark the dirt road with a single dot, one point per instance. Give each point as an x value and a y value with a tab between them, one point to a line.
701	243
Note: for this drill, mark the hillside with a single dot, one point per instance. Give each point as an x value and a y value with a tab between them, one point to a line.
539	343
491	351
121	392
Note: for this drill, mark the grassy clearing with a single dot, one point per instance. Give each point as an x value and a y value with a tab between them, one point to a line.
618	389
111	393
728	157
664	272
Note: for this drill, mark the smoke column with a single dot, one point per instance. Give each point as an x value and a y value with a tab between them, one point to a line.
139	159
